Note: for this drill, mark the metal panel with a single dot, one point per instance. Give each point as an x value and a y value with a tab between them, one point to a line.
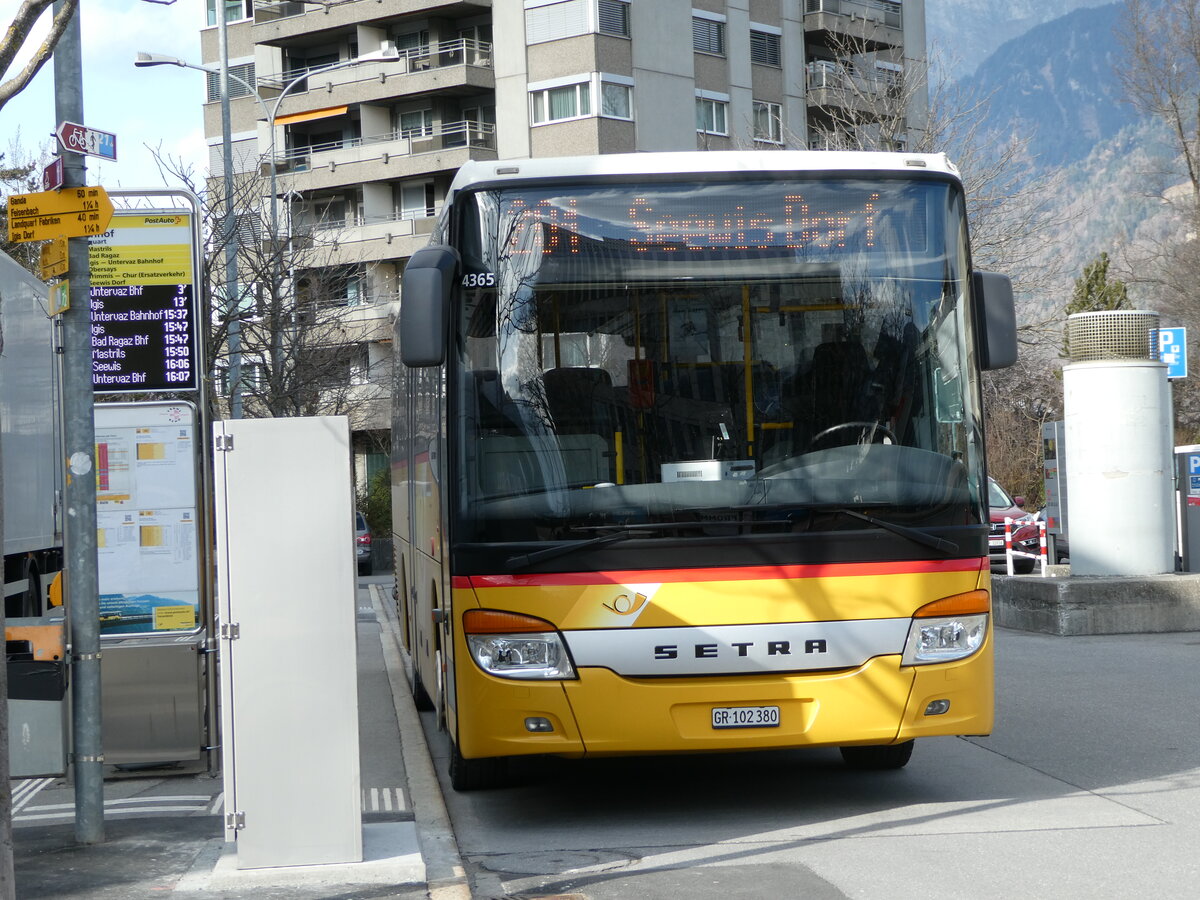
37	738
285	525
152	700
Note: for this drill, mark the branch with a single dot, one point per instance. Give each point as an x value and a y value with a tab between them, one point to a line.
18	33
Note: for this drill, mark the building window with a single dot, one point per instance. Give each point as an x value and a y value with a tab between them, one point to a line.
711	115
614	17
768	122
554	104
360	364
616	100
764	48
241	82
416	200
235	10
248	228
414	123
708	36
252	378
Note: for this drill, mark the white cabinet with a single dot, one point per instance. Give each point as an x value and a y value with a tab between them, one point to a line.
286	584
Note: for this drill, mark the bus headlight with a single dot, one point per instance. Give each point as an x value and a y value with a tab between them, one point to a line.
947	629
509	645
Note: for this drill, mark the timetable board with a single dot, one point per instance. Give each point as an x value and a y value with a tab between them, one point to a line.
145	333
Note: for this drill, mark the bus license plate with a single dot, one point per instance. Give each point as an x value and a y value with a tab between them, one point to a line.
745	717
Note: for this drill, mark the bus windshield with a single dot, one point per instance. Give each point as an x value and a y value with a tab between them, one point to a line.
713	358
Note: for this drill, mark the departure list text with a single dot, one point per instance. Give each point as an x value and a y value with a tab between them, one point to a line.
142	338
144	329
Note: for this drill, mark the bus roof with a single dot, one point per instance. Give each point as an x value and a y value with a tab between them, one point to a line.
700	162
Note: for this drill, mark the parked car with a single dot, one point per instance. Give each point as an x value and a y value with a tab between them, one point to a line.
1001	506
362	543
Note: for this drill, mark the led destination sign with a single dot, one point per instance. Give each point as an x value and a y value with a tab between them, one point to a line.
825	219
144	334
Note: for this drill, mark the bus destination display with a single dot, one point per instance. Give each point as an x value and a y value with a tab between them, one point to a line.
144	334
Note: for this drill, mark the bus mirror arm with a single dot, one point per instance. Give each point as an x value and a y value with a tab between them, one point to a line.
425	296
996	320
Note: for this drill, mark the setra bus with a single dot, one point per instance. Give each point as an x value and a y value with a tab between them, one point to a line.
688	456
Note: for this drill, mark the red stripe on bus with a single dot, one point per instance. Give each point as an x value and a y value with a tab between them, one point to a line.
728	573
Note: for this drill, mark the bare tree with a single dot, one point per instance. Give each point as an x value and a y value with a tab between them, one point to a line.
867	104
20	32
1160	71
302	350
1012	208
1160	75
19	174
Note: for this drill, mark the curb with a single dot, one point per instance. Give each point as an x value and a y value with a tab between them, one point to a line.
444	870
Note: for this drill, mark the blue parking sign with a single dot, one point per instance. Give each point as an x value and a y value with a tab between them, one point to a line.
1172	349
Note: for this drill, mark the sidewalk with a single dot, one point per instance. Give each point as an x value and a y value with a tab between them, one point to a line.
163	828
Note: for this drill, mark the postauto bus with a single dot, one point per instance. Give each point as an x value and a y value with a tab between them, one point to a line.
688	456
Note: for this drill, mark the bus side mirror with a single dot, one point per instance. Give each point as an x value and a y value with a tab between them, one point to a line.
995	320
425	293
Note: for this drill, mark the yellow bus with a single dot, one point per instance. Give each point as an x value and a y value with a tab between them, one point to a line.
688	456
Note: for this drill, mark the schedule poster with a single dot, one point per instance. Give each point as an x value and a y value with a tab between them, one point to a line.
145	334
146	518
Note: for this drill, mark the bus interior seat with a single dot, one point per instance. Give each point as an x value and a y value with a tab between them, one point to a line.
834	394
491	402
580	400
895	378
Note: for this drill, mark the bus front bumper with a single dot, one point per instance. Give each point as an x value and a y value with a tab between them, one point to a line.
603	713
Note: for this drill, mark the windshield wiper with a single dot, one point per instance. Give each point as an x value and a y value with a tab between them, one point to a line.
524	560
919	537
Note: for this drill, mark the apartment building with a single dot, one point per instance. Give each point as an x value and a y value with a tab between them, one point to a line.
360	154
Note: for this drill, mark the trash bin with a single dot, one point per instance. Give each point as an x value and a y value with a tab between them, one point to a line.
37	697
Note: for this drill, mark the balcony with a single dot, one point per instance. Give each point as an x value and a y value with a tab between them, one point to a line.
397	154
276	21
461	67
373	240
867	25
870	94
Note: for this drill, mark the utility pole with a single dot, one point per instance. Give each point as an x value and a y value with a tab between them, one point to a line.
8	885
233	306
79	439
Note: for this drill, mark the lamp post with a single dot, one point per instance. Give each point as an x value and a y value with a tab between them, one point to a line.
229	229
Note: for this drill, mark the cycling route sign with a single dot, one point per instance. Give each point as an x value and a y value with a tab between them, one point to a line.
90	141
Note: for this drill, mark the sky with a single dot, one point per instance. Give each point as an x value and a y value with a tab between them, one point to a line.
145	108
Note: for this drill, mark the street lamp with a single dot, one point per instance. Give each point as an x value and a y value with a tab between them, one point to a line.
144	60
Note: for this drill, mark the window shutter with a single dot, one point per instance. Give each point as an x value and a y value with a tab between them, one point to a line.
764	48
557	21
708	36
236	88
614	17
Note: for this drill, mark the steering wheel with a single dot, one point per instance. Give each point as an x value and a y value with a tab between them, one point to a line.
875	427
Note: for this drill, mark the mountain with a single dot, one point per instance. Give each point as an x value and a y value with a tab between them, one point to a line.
1102	168
1058	84
963	33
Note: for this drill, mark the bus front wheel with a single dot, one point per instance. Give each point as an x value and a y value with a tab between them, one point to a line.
475	774
878	758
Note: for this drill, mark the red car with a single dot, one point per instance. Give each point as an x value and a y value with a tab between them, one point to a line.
1025	530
